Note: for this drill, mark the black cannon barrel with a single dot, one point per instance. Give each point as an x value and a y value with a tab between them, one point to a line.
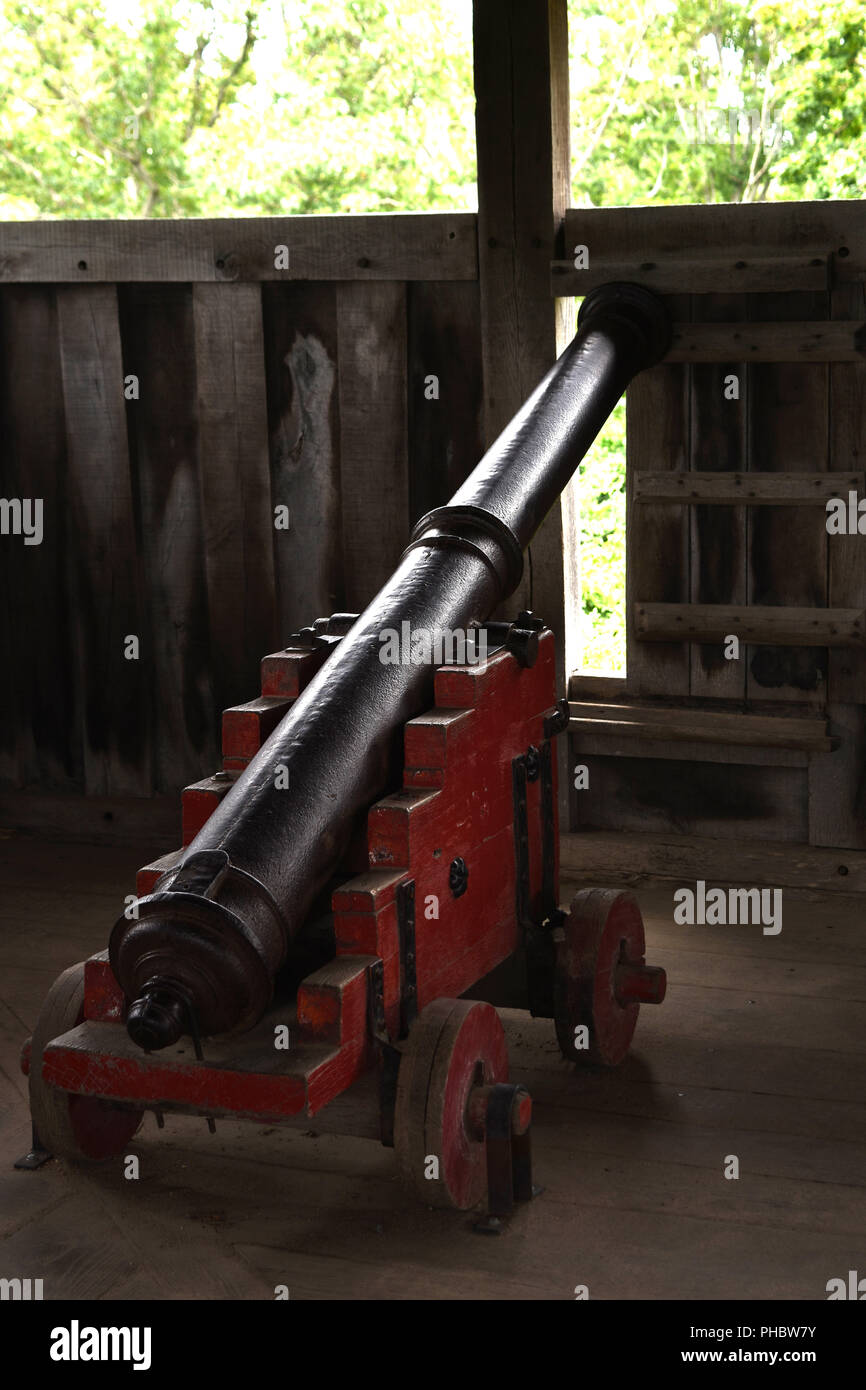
205	946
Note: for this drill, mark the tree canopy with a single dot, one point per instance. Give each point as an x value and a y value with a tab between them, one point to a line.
171	108
684	101
233	107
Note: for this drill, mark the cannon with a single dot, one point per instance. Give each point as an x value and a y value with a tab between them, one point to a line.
377	859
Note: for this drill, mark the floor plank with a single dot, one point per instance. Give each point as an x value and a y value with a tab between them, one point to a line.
758	1052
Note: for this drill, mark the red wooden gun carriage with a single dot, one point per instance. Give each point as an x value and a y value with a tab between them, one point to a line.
375	861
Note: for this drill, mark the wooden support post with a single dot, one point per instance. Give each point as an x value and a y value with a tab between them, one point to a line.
522	131
837	786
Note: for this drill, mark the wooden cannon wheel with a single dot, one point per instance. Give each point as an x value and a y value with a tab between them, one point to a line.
601	977
72	1126
455	1046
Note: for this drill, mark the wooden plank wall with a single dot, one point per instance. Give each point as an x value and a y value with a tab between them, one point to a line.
254	388
787	283
306	387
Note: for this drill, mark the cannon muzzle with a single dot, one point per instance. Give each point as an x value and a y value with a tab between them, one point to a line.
203	951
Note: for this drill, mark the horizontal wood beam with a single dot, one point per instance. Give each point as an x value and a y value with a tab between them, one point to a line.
589	685
679	275
768	342
697	726
832	231
611	856
771	626
378	246
754	489
608	745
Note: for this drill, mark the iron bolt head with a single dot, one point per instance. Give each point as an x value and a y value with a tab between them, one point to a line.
458	877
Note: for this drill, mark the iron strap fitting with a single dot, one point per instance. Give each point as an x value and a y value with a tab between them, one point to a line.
536	764
389	1055
508	1153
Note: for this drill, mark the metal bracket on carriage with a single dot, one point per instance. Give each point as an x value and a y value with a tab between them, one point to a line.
556	719
519	637
324	632
389	1054
37	1154
522	638
502	1115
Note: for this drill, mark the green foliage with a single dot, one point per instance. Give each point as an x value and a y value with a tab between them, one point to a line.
375	111
99	112
179	108
601	494
678	101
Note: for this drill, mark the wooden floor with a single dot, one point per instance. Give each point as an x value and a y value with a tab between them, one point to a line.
759	1052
